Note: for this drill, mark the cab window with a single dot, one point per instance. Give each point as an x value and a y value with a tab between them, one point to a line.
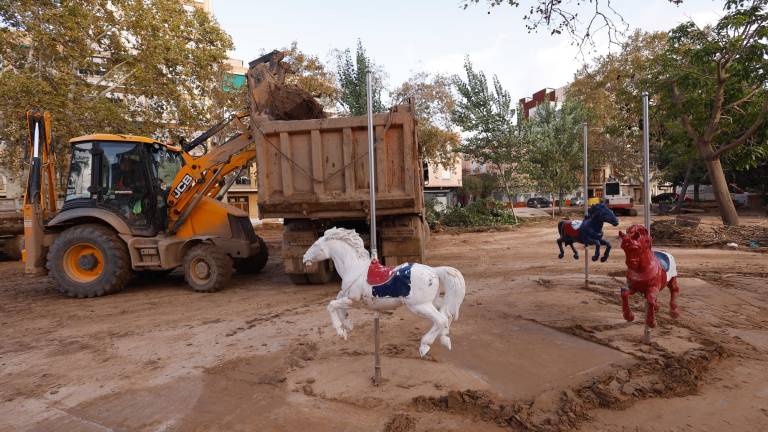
166	165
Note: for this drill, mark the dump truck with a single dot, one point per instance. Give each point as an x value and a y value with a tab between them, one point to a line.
313	174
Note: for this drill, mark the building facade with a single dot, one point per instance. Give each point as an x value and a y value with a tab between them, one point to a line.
528	105
442	183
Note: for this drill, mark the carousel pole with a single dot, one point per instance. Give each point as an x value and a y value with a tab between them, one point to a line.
646	189
374	252
586	203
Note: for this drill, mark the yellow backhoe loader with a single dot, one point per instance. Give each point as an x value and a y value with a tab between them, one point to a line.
136	204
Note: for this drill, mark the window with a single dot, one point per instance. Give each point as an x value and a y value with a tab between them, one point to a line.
79	182
239	201
445	174
166	164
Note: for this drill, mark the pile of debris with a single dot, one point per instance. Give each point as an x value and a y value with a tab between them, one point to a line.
673	232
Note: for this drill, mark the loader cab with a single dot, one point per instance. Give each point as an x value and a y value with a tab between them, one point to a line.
128	176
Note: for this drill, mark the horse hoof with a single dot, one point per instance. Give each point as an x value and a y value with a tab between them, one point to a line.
674	314
560	256
630	317
604	259
423	350
575	256
446	341
594	258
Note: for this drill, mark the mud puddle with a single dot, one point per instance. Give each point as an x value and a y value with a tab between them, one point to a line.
502	356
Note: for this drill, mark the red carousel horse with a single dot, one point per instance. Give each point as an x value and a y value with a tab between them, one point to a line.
648	272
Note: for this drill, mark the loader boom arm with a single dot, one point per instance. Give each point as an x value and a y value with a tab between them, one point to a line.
204	175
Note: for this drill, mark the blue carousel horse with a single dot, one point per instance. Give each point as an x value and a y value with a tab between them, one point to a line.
587	232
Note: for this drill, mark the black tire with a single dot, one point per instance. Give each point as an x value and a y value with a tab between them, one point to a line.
255	263
207	268
98	246
324	274
13	248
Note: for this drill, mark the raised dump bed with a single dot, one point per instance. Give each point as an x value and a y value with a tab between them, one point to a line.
314	174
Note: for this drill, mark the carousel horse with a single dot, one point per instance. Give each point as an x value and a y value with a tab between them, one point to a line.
648	272
376	287
587	232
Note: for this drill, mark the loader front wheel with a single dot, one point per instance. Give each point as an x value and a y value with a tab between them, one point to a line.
207	268
254	263
88	261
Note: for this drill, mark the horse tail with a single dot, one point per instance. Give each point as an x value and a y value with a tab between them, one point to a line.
560	228
453	284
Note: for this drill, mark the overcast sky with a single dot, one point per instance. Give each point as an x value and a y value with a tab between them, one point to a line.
407	36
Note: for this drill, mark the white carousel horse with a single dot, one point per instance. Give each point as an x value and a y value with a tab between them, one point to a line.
415	285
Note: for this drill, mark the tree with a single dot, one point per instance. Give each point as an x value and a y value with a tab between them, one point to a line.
309	73
351	75
560	17
611	94
488	115
717	88
434	104
554	152
119	66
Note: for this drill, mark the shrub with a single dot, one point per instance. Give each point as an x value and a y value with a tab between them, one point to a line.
486	212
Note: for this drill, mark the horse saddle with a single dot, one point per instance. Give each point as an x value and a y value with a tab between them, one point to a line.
389	281
571	229
667	262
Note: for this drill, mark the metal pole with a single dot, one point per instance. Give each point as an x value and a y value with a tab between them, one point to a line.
586	202
646	166
374	252
371	164
646	190
376	357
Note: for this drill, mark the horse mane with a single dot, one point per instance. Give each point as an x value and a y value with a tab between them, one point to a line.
349	237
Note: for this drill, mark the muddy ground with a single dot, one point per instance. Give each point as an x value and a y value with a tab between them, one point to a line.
534	350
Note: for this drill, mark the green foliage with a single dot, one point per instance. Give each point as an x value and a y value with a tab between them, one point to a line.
485	212
554	157
118	66
716	82
480	185
611	93
487	113
351	75
434	104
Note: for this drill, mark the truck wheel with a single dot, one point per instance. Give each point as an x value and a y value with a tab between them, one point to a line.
323	275
88	261
254	263
207	268
298	278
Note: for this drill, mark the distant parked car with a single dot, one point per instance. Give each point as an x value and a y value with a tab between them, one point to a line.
577	202
667	197
538	202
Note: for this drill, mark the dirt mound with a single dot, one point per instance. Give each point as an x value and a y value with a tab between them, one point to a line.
270	95
667	231
400	422
566	409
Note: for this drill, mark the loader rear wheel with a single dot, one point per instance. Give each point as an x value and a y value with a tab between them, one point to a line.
207	268
88	261
255	263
